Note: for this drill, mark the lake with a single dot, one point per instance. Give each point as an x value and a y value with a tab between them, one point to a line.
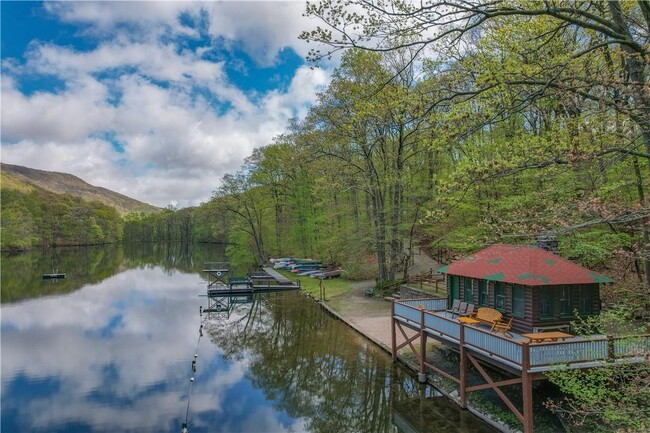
110	349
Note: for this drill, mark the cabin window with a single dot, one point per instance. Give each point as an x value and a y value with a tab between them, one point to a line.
545	302
518	301
468	293
565	301
483	293
499	296
586	300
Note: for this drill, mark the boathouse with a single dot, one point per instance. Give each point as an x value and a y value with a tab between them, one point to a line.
536	288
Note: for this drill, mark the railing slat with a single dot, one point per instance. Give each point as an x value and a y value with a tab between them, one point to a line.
448	327
568	352
493	344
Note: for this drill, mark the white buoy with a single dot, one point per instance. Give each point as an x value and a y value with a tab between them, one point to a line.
191	379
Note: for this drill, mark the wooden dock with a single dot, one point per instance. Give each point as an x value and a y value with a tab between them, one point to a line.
267	281
278	277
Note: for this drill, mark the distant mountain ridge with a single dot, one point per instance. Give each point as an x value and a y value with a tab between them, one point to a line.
23	178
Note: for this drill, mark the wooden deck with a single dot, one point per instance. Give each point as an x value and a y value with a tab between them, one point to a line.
525	361
508	351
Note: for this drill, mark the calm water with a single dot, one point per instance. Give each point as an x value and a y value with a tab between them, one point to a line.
110	349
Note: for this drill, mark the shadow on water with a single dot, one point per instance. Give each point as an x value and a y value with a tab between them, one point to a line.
317	369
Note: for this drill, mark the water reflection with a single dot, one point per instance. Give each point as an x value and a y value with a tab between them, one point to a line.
116	356
107	358
315	369
21	273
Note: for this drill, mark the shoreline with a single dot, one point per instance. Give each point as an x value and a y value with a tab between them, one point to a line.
362	324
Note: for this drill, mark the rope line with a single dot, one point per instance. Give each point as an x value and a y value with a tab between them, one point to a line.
184	427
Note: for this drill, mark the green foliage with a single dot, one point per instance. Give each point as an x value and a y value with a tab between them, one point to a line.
37	217
593	248
609	398
618	319
613	398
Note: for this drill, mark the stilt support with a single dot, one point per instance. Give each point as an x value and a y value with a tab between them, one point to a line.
393	334
463	368
527	390
422	376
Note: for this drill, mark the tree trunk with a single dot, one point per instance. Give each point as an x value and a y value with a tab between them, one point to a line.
645	249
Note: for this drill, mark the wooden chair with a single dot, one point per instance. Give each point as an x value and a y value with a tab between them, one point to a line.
454	307
470	311
503	326
489	316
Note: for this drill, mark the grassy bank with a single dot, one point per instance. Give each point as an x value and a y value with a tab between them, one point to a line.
333	287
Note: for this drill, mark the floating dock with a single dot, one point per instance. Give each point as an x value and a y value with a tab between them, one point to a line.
272	277
267	280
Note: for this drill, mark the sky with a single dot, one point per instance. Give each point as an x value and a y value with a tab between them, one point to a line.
155	100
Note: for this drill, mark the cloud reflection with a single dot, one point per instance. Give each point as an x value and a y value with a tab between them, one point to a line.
116	356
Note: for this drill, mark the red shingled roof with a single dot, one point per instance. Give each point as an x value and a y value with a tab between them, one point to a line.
522	264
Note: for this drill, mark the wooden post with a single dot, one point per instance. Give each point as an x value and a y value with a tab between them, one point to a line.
526	388
463	368
393	334
422	377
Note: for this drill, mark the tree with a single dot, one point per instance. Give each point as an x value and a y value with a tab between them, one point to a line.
588	58
372	129
239	196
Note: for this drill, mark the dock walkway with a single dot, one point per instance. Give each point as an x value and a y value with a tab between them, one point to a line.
282	280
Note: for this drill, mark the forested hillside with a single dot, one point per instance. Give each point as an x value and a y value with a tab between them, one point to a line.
487	122
33	216
64	183
86	215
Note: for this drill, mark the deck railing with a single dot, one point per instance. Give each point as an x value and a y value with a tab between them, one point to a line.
631	347
408	312
430	304
443	326
568	352
421	314
494	345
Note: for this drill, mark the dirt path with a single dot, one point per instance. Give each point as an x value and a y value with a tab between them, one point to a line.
371	315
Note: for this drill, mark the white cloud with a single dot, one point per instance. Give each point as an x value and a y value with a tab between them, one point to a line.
179	122
262	28
64	117
104	16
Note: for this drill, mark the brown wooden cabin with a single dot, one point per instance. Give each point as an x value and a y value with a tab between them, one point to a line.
538	289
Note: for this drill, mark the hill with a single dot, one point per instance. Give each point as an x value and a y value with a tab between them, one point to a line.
24	179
